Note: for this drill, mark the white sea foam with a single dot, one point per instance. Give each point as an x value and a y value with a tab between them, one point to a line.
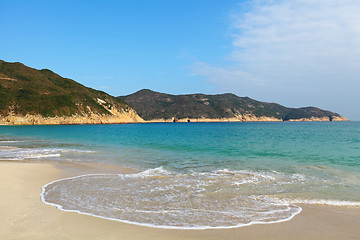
330	202
28	153
152	172
77	151
195	200
44	155
161	198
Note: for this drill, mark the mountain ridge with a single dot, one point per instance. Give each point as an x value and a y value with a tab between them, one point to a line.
156	106
32	96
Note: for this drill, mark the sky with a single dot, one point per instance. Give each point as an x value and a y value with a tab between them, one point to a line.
293	52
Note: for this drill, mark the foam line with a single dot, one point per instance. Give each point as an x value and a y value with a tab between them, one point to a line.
329	202
60	207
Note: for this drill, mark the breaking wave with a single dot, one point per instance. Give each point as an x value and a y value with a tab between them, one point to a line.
161	198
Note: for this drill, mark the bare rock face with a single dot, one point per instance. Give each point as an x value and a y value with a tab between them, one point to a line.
338	118
320	119
249	118
129	116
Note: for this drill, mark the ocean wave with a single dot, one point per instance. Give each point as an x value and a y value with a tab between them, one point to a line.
152	172
23	153
329	202
236	177
161	198
44	155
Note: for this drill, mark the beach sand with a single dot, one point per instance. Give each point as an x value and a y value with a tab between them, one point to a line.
24	216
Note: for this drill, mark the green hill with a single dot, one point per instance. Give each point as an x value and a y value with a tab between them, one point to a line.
27	91
152	105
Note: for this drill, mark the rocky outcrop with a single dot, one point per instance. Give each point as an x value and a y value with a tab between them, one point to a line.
250	118
245	118
338	118
318	119
129	116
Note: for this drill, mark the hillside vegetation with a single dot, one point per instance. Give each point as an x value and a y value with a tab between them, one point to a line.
153	105
27	91
31	96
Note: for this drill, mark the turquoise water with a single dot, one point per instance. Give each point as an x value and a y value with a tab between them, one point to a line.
302	162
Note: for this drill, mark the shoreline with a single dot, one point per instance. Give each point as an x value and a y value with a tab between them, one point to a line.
191	120
60	207
24	216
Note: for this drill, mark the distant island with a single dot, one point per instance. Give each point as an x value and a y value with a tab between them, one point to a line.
29	96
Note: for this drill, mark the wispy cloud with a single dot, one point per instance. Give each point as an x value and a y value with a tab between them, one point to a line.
291	44
228	75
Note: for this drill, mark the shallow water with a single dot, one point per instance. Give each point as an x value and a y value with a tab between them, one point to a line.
198	175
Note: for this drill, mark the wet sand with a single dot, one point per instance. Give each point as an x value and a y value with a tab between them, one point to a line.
24	216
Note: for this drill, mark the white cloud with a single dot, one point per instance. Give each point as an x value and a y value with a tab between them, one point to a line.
287	45
230	75
289	38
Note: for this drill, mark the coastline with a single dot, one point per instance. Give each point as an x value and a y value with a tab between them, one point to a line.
24	216
35	120
248	119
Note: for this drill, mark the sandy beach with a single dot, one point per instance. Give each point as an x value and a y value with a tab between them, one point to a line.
24	216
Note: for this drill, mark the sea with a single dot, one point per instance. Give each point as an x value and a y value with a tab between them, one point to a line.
196	175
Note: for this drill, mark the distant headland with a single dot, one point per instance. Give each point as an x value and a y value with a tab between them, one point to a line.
161	107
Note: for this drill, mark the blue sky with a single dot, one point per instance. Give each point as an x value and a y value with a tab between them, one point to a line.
296	53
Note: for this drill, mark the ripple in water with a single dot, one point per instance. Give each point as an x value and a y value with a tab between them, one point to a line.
159	198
